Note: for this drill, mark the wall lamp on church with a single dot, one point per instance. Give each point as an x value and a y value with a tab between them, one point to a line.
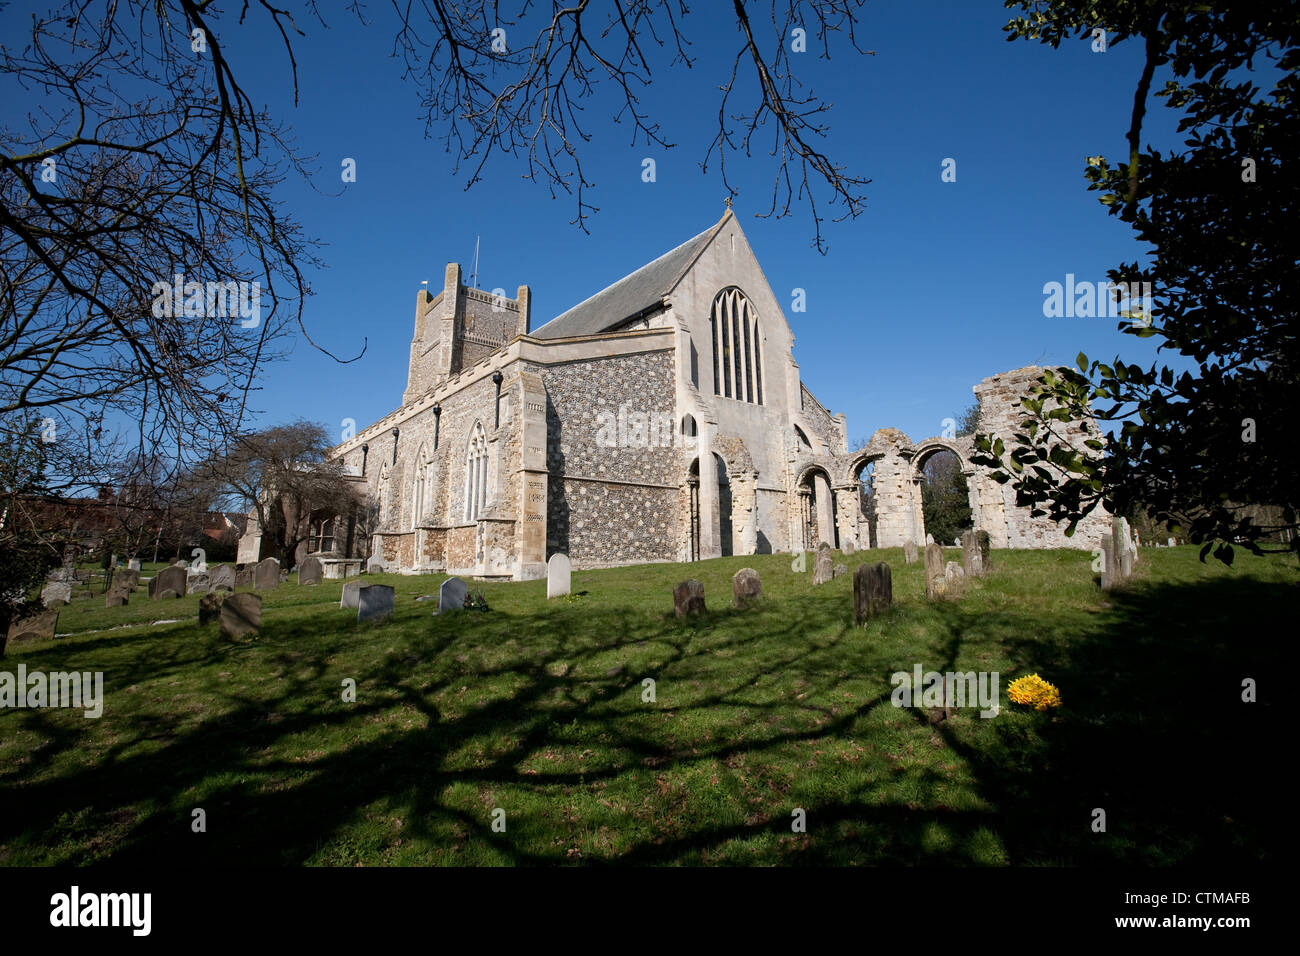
365	453
394	446
437	420
496	380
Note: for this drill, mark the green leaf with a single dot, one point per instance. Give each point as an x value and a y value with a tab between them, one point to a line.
1082	361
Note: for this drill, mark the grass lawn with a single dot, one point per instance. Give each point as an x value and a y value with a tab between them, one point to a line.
536	708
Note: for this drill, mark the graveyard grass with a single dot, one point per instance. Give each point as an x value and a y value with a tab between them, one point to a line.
536	708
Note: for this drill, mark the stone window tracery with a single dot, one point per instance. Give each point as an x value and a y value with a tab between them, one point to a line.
475	474
737	348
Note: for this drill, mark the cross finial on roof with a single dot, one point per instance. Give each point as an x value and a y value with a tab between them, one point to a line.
727	202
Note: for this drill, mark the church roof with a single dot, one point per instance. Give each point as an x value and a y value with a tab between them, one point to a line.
631	294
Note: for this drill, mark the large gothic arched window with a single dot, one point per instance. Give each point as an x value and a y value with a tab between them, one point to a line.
737	348
475	474
422	489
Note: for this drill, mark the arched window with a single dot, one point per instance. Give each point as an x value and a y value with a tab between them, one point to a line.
423	486
475	474
737	348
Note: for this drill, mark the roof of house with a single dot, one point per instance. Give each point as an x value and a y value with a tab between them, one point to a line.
631	294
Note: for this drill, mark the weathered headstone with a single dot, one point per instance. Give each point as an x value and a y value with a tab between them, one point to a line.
688	598
873	590
352	593
935	583
310	571
241	614
953	574
746	588
167	594
559	576
1109	563
1173	542
849	547
116	598
222	577
838	570
375	603
985	545
375	565
171	578
210	606
972	559
133	564
266	574
126	580
929	540
56	592
38	627
197	582
823	566
243	577
909	551
452	594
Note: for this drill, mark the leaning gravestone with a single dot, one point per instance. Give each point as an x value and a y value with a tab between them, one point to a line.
935	585
116	598
352	594
266	574
197	582
452	594
688	598
171	578
559	576
241	614
375	603
873	590
210	606
222	577
823	566
310	571
909	551
746	588
972	559
38	627
56	593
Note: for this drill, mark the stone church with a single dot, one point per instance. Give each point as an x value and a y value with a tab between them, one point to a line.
662	419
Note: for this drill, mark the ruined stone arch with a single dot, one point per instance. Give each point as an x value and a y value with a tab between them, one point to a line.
929	447
817	511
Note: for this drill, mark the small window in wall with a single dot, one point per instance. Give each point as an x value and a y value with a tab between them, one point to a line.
475	474
737	348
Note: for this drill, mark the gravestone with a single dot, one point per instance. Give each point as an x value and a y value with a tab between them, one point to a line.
197	582
929	540
167	593
746	588
210	606
133	565
688	598
935	584
56	592
1173	542
909	551
985	545
310	571
266	574
953	574
153	586
115	598
823	566
352	594
452	594
222	577
38	627
972	559
559	576
1109	563
873	590
171	578
243	577
127	580
375	603
375	565
241	614
849	547
838	570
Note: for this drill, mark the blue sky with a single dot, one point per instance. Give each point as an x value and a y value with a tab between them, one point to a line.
936	286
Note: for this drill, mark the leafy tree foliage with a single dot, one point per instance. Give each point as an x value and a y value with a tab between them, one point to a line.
1199	452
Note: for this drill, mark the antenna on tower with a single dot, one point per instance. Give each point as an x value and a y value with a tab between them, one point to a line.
474	282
